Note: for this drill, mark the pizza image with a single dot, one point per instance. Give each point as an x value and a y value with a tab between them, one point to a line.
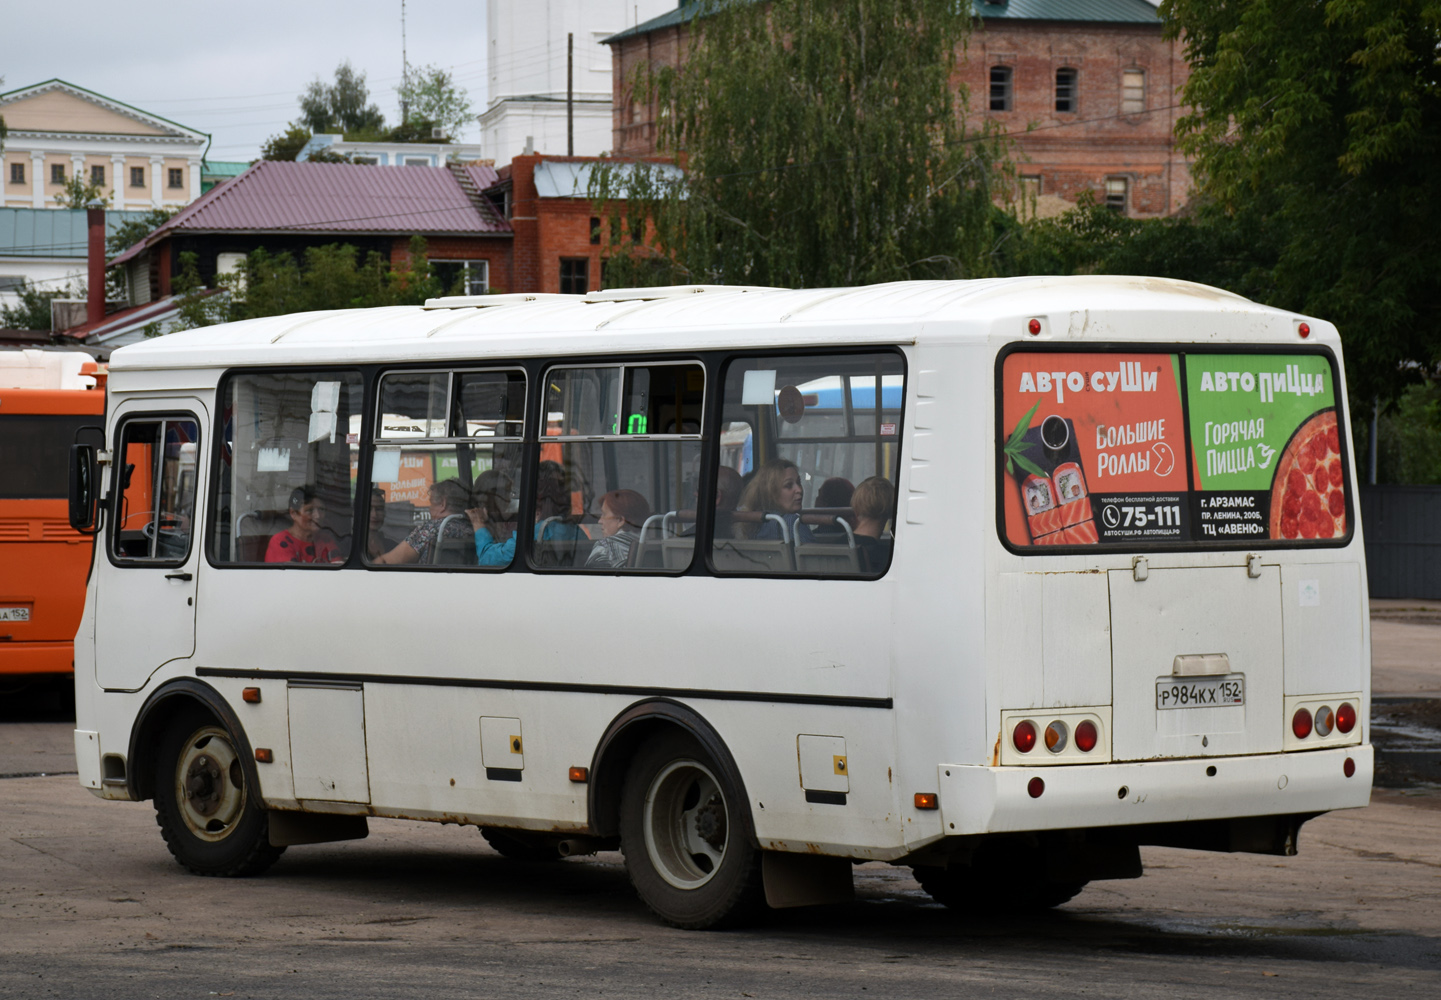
1308	498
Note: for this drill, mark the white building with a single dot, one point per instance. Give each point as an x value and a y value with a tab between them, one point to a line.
391	154
58	131
527	73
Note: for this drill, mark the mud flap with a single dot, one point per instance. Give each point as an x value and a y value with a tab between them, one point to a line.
805	879
287	828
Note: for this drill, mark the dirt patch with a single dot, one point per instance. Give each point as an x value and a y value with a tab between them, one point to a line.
1407	737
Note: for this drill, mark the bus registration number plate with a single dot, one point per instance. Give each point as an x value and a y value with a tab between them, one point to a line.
14	614
1222	691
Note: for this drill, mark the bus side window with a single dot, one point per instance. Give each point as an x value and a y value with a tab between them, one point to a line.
616	484
810	451
285	487
155	490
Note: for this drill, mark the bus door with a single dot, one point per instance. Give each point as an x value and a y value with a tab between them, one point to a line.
148	587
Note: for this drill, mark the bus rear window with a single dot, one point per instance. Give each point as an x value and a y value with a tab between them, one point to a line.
1094	449
35	452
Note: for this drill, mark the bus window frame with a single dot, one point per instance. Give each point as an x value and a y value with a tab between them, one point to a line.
369	381
1182	350
730	357
110	503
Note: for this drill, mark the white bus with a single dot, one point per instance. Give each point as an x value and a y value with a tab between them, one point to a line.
1000	580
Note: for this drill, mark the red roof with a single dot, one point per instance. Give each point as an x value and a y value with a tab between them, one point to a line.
276	196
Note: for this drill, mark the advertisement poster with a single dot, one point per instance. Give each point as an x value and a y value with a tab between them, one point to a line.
1265	445
1093	448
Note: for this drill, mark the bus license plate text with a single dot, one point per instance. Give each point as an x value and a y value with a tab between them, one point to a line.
1200	692
14	614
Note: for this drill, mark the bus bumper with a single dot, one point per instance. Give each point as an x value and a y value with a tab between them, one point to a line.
977	799
36	659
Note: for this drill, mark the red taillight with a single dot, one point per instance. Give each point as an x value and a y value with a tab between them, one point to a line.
1301	723
1349	768
1346	717
1024	736
1035	787
1034	326
1304	329
1086	736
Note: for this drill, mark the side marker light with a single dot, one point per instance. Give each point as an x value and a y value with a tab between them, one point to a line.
928	800
580	775
1304	329
265	755
251	696
1034	326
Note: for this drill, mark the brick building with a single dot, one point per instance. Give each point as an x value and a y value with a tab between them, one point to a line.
1086	88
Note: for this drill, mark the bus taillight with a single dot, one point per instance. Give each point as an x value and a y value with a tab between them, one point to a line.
1086	736
1024	736
1301	723
1346	717
1056	735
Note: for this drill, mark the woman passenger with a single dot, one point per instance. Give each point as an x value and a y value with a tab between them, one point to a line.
622	513
303	541
873	502
776	489
495	538
447	497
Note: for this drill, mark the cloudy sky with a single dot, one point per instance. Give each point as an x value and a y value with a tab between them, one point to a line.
235	70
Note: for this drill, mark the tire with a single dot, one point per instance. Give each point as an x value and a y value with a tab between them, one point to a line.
1001	878
686	837
206	814
519	846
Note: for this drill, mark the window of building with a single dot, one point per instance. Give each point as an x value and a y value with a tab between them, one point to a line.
417	161
1067	100
594	231
1133	92
155	509
284	492
1000	88
11	282
137	177
17	173
97	175
463	277
815	442
616	481
368	161
574	275
446	442
1116	194
1030	187
57	173
175	177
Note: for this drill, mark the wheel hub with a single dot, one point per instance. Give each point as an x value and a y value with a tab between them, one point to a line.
203	786
710	823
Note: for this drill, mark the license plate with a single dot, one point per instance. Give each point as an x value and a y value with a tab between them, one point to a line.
14	614
1221	691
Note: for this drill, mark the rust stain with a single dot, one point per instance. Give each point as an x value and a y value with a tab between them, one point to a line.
996	752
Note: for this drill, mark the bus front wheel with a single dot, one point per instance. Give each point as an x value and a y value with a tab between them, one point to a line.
209	821
685	841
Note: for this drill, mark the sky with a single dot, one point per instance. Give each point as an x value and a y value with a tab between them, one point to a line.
236	70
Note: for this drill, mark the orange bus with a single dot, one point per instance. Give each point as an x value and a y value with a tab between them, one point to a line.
46	397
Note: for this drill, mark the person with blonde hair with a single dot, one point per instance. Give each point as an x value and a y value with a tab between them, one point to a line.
776	489
873	501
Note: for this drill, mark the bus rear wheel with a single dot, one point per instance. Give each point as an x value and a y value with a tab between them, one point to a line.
206	815
687	849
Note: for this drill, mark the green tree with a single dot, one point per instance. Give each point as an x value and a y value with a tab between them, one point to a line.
286	145
432	94
1318	122
823	144
79	192
333	277
342	106
32	311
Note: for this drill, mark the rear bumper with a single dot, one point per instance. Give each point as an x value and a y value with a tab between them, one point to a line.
977	799
20	659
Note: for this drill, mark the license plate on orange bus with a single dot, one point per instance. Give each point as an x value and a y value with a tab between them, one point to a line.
1220	691
14	614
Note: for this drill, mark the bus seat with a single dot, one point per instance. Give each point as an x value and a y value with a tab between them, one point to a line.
827	558
742	555
253	531
453	550
677	553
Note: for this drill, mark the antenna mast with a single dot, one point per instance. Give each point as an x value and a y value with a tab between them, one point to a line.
404	70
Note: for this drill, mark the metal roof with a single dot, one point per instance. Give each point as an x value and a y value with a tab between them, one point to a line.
1110	11
690	319
223	168
569	179
52	232
282	197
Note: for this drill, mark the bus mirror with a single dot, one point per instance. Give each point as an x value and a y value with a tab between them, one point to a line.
83	487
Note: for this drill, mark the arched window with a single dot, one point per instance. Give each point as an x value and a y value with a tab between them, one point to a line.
1067	99
1000	88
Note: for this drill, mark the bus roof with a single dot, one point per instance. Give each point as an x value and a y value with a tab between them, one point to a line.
711	317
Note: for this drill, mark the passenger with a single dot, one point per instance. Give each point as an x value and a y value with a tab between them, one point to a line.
376	541
873	501
834	493
776	489
622	512
303	541
728	489
495	538
447	499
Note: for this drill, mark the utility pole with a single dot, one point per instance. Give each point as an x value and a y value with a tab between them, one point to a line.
404	70
569	93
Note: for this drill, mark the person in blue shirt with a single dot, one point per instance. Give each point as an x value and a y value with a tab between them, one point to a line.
493	517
